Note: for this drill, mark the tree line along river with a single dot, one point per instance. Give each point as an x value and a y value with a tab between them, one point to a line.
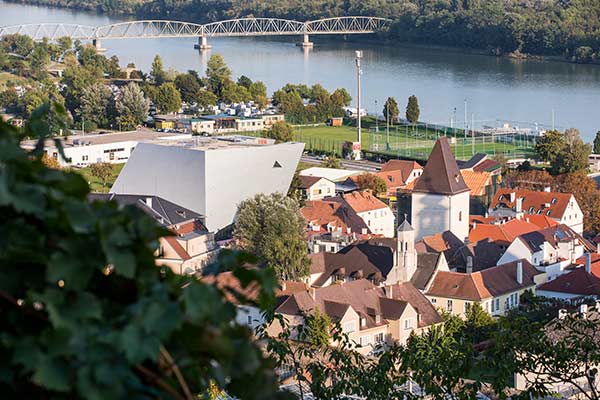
495	88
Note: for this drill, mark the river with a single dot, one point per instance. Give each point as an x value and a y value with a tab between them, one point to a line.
494	87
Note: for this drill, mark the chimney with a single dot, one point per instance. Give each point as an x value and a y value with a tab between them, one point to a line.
283	286
597	306
598	248
519	205
388	291
512	196
583	310
547	189
469	264
313	293
588	263
149	201
520	272
562	313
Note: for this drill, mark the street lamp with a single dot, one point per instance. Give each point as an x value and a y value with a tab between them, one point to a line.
376	118
356	146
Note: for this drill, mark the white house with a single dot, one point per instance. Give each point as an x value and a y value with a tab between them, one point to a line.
550	250
561	207
375	213
83	150
316	188
440	198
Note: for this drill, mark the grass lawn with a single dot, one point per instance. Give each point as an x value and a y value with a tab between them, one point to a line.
95	183
404	141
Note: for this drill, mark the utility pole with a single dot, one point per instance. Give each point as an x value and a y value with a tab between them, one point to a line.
356	146
465	131
387	127
472	134
376	118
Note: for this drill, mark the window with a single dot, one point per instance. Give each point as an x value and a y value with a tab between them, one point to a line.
249	319
408	324
467	306
449	306
365	340
460	215
497	304
55	155
378	319
493	308
378	338
276	164
363	322
350	327
111	156
84	158
433	300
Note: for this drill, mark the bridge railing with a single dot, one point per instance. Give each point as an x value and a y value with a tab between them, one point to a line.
233	27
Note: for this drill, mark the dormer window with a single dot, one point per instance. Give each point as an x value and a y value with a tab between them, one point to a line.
363	322
554	201
530	209
378	319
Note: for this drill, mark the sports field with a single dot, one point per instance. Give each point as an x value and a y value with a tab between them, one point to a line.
408	141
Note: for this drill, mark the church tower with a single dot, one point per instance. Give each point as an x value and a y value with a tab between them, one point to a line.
405	258
440	199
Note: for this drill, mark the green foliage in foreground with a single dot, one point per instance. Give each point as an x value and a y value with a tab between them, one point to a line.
85	311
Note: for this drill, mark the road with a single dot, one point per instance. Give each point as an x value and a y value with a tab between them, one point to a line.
363	165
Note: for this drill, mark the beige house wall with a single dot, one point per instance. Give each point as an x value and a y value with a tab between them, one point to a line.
499	306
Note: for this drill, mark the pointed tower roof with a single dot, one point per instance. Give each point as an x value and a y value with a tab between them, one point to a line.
441	174
405	226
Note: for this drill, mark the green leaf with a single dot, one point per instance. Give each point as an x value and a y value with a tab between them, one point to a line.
51	374
75	273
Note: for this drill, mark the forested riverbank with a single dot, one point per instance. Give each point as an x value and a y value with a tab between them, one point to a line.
564	28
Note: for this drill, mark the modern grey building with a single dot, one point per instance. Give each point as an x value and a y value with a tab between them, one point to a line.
210	176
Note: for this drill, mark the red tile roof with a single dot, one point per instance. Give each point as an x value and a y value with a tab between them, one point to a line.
441	174
334	213
487	165
406	166
366	299
491	282
552	204
501	232
578	282
476	181
363	201
177	247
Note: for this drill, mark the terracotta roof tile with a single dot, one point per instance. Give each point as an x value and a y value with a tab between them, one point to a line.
487	166
552	204
363	201
505	232
578	282
476	181
335	213
491	282
177	247
366	299
406	166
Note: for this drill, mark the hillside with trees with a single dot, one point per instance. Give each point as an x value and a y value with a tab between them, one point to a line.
568	28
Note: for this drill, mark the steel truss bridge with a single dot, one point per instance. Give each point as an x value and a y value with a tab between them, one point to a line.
152	29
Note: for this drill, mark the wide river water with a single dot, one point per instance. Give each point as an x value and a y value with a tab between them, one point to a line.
494	88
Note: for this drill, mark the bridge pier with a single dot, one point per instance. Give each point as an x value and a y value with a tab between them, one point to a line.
98	46
306	43
202	44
